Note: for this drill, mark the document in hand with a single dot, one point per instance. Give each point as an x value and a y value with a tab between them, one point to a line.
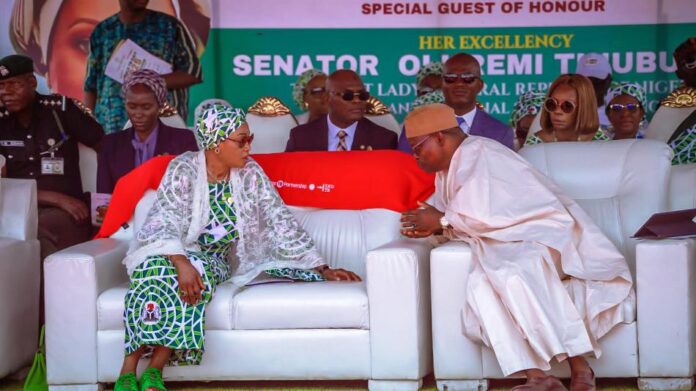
677	224
129	56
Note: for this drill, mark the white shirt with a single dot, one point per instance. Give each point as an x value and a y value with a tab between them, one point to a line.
333	134
468	120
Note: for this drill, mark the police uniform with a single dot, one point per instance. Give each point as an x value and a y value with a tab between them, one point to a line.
47	152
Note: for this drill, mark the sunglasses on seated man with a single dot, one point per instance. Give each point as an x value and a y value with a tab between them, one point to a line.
349	95
689	62
618	107
551	105
467	78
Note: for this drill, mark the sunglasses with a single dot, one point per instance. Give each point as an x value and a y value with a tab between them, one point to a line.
424	90
349	95
551	105
689	63
467	78
244	140
316	90
618	107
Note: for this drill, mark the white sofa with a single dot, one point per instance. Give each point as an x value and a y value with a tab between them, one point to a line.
619	184
377	330
20	272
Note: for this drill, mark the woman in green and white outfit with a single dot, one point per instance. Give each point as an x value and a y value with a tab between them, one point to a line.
207	202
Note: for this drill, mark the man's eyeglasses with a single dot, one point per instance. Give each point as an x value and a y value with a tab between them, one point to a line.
244	140
349	95
419	145
316	91
467	78
618	107
551	105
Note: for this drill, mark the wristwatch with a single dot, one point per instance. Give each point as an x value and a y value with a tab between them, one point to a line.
444	223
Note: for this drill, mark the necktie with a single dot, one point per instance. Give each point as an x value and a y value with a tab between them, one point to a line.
460	121
342	140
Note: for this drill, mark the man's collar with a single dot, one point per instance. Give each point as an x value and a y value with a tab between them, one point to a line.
469	117
333	129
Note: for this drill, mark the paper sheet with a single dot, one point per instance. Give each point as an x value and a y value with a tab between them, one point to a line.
129	56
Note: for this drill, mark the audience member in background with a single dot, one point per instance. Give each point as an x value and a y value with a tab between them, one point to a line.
344	128
461	85
145	93
523	113
429	78
596	68
55	34
626	111
570	112
675	120
160	34
309	94
38	137
545	284
171	284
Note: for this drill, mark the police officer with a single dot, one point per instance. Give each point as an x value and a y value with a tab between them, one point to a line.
38	138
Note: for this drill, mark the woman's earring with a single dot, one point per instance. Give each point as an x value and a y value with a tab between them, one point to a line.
217	150
305	105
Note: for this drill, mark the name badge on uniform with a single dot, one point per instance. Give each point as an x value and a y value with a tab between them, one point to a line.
12	143
52	166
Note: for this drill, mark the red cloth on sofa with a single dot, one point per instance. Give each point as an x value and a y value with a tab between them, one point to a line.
328	180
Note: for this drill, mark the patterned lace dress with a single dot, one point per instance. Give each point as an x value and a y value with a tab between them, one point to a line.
155	313
598	136
684	147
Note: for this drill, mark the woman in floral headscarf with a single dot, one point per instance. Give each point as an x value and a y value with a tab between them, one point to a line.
208	203
429	78
626	111
523	113
309	94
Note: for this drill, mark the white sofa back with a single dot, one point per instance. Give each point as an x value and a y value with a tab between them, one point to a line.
342	236
618	183
19	215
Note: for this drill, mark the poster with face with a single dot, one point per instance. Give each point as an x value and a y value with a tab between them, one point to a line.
55	33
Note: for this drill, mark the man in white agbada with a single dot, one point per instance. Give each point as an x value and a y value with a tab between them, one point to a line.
546	282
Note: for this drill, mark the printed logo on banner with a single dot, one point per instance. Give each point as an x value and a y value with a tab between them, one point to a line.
324	187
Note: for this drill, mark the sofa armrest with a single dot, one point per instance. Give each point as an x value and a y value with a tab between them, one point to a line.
19	213
455	356
398	288
74	278
666	298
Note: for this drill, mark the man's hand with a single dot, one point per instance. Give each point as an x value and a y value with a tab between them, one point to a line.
338	275
76	208
190	282
421	222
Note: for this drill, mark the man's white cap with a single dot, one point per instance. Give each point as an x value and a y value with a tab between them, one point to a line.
593	65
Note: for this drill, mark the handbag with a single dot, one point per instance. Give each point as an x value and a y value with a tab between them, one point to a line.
36	379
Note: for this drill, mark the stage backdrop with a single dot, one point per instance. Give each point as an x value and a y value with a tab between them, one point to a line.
259	47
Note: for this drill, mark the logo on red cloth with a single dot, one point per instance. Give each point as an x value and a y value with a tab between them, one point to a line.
324	187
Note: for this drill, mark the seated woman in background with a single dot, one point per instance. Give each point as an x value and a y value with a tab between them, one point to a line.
309	94
429	78
145	95
626	111
208	203
523	113
570	112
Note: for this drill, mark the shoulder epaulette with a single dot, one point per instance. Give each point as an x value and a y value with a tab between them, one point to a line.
82	107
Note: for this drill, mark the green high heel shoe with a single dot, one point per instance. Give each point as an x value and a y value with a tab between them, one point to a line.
152	377
126	382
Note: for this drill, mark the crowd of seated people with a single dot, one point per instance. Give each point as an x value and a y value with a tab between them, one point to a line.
40	133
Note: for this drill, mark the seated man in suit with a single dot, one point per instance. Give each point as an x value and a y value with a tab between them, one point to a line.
145	94
461	85
344	128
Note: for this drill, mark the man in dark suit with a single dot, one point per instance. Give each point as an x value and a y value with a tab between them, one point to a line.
117	156
344	128
461	84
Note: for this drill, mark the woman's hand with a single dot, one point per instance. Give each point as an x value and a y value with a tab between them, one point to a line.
337	274
421	222
190	282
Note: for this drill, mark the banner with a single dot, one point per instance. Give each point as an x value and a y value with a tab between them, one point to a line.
259	48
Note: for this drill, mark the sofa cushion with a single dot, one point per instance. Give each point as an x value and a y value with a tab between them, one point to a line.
302	305
295	305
